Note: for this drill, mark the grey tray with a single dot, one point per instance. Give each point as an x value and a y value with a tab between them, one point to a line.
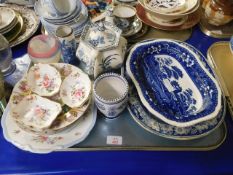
134	137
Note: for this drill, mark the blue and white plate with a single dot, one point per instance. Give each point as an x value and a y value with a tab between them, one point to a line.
154	125
172	83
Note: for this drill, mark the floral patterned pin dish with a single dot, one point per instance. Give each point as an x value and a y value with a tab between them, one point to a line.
75	89
111	94
35	111
172	83
44	80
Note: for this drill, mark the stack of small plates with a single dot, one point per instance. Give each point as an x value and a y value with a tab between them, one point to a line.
72	13
169	15
50	108
11	23
177	95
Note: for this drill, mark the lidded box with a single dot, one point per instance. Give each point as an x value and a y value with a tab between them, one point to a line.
101	48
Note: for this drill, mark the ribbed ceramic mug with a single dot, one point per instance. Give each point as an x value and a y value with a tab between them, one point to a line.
66	37
111	94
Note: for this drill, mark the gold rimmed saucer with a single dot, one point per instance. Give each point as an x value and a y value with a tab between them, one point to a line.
12	34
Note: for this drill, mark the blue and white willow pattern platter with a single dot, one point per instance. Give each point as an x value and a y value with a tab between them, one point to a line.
172	83
152	124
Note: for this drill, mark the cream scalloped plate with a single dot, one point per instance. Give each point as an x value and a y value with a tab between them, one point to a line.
44	79
75	89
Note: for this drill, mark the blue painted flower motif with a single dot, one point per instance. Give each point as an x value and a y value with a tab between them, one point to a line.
98	41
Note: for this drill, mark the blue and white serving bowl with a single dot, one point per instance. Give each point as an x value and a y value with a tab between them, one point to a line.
172	83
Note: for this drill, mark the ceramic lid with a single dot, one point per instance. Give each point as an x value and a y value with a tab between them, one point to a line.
101	36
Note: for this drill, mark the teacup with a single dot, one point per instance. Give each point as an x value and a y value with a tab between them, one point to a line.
111	94
124	16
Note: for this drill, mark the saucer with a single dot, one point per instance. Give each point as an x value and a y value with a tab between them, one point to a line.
16	30
192	20
7	17
135	28
44	80
171	23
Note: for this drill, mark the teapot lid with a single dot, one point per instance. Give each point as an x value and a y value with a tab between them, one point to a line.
101	36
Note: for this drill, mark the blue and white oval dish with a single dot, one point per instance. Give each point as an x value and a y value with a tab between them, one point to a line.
172	83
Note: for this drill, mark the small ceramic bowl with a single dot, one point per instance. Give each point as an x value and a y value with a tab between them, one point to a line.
44	49
111	94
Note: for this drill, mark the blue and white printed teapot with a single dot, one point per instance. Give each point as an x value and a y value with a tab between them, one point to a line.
101	48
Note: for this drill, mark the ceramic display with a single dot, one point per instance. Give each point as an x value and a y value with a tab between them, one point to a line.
111	94
44	80
192	20
7	17
191	7
166	6
101	48
44	49
195	97
30	21
75	89
35	111
67	117
43	143
16	30
66	37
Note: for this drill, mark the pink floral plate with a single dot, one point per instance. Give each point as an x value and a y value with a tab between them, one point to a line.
44	79
75	89
36	112
44	143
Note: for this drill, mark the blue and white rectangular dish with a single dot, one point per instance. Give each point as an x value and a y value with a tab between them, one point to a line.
172	83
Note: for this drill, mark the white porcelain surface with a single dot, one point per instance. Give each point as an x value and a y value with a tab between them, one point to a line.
44	79
111	94
35	111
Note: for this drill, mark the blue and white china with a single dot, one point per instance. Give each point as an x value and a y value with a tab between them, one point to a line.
124	16
76	19
55	9
172	83
101	48
111	94
231	44
66	37
154	125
